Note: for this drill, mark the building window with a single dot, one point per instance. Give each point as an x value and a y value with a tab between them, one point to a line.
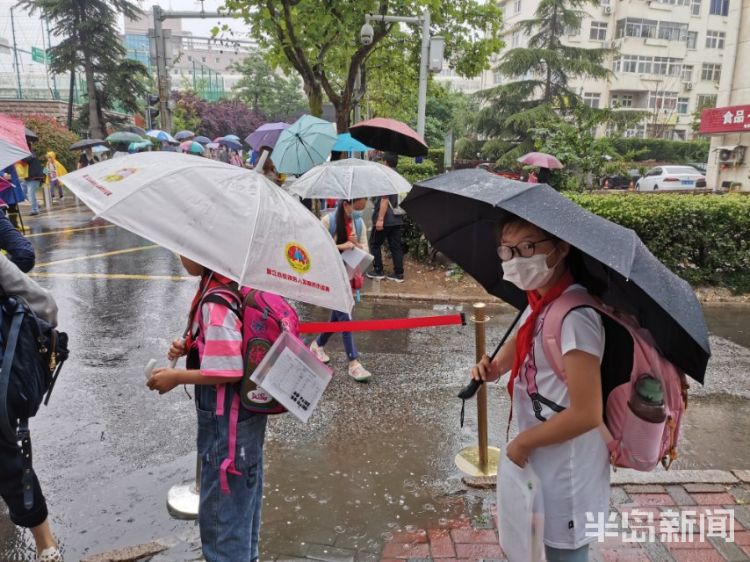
662	100
591	99
711	72
629	63
719	8
623	100
706	101
687	73
639	131
573	31
661	65
636	27
644	65
203	59
515	39
675	2
517	7
497	77
692	39
678	134
715	39
598	31
682	105
695	7
672	31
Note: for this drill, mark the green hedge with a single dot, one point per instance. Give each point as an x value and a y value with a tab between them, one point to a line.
414	172
675	152
437	157
704	239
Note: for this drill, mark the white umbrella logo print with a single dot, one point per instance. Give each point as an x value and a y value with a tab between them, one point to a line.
232	221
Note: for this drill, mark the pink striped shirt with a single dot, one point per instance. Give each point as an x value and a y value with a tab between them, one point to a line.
220	341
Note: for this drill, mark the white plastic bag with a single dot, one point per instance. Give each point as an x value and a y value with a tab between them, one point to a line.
520	512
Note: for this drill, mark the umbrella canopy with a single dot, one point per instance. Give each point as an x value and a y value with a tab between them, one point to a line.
99	149
390	135
184	135
305	144
346	143
265	135
192	147
203	140
460	211
162	136
229	143
542	160
138	146
13	146
123	137
135	130
86	143
349	179
31	135
232	220
213	145
234	138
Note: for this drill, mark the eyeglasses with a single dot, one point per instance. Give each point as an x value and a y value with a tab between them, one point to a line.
524	250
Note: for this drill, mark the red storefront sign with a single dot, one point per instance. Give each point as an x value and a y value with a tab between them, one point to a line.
732	119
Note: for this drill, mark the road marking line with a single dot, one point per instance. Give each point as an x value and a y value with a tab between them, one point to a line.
69	230
127	276
102	255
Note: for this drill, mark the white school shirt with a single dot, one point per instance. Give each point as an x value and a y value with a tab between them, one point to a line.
574	474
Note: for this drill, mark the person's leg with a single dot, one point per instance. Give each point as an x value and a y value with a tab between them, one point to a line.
351	350
397	251
322	339
43	536
563	555
376	242
33	185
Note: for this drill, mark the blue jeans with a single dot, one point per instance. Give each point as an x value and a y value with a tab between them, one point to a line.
562	555
229	523
32	186
351	351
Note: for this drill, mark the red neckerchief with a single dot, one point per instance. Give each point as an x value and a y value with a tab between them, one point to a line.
525	337
350	231
209	280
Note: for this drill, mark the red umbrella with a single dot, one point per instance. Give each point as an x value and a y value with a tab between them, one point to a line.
389	135
542	160
13	146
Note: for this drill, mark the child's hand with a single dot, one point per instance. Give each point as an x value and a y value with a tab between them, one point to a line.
518	452
177	349
163	380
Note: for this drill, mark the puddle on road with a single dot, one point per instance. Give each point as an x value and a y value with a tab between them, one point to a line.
729	321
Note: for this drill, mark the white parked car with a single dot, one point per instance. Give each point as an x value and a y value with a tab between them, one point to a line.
665	178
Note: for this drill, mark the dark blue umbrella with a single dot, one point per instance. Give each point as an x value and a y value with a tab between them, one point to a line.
202	140
184	135
459	213
230	144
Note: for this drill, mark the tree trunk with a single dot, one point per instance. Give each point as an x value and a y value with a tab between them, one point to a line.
95	126
314	99
343	117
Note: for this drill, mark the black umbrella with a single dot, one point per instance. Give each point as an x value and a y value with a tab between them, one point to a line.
86	143
459	213
136	130
31	135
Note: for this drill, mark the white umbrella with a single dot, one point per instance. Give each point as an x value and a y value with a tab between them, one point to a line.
349	179
231	220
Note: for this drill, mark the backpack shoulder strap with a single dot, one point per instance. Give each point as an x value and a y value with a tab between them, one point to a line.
8	432
553	321
332	224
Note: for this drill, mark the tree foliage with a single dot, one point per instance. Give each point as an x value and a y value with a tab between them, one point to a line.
539	75
320	40
89	38
214	119
278	97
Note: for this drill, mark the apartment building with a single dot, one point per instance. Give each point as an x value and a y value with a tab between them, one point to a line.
669	57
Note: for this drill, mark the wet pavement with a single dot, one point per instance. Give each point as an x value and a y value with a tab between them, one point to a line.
375	460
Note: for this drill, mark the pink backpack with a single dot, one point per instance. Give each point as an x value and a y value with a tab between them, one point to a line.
630	353
264	317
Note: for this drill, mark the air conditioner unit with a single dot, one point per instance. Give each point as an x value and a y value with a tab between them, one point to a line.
688	85
732	155
607	10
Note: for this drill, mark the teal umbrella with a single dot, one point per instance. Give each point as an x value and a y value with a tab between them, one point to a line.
192	147
347	143
304	145
123	137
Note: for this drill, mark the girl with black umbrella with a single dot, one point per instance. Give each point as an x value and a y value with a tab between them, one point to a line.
557	421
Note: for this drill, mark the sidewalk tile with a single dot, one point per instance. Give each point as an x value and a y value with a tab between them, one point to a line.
713	499
479	551
617	496
680	496
651	499
406	537
705	488
473	536
698	556
706	510
624	555
743	475
742	538
640	512
695	544
741	493
729	550
441	545
645	489
401	550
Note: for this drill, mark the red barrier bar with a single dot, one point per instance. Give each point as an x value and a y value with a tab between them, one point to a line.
385	324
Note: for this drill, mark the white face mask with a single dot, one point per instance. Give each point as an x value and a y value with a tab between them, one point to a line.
528	274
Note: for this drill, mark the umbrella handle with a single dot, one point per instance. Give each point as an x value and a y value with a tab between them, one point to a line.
471	389
261	161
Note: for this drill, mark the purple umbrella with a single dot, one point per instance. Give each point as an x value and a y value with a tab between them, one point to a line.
542	160
265	135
